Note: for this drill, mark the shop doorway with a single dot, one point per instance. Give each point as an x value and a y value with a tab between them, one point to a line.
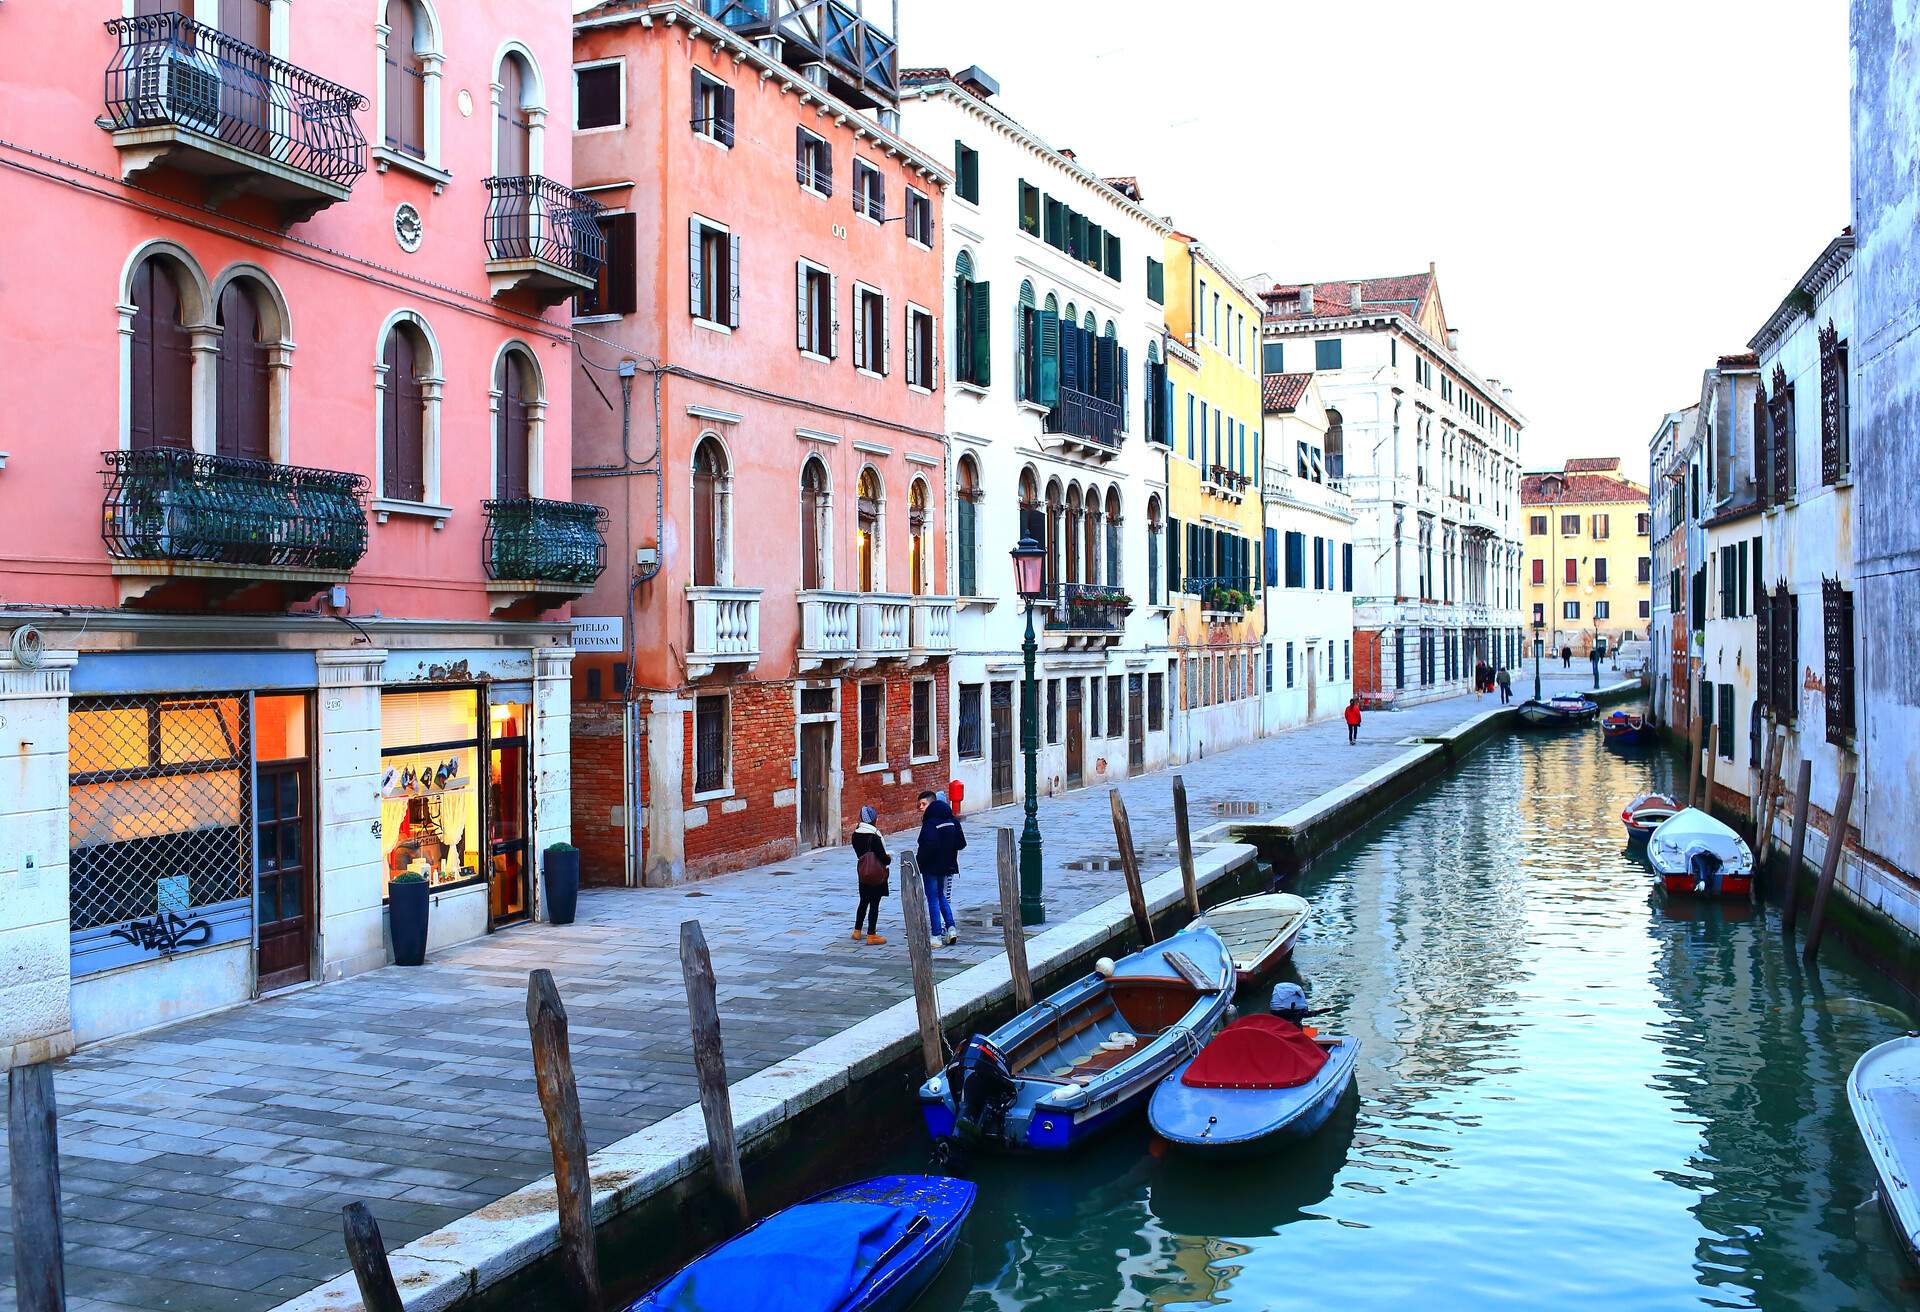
283	842
1136	724
1075	761
508	901
1002	732
816	771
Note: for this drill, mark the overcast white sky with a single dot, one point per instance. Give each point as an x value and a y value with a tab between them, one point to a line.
1613	194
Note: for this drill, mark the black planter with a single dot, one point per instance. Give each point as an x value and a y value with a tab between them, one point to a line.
562	871
407	922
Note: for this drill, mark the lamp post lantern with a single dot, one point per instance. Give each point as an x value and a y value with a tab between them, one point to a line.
1539	644
1029	576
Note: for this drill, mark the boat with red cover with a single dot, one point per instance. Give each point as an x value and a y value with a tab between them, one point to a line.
1264	1081
1625	729
1646	813
1696	856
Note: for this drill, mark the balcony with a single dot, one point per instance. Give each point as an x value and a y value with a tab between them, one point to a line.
885	628
543	240
861	62
172	515
189	97
1227	484
723	627
1089	614
1287	489
1224	598
829	627
932	628
542	552
1086	421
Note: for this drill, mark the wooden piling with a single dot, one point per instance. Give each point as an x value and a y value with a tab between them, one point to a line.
710	1067
368	1253
1010	927
1694	733
567	1135
1836	844
926	993
1130	867
1797	849
33	1158
1706	802
1762	805
1188	883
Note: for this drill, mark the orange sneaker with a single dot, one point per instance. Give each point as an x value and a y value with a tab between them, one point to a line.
856	936
876	938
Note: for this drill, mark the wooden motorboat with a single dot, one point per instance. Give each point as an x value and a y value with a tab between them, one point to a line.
1087	1057
1646	813
1259	932
1695	855
873	1246
1263	1081
1884	1093
1625	729
1567	708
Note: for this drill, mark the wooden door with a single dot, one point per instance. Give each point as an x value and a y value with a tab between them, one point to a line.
1002	722
514	130
506	817
1075	761
246	97
160	406
283	877
1136	724
512	439
241	417
705	519
816	767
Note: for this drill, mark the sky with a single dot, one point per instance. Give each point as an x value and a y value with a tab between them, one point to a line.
1613	195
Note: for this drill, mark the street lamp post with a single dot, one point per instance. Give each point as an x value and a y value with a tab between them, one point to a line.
1539	643
1029	569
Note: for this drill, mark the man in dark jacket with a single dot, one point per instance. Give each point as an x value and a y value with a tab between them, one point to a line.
938	852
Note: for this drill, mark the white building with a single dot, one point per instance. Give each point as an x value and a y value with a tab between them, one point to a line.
1052	330
1731	508
1309	558
1431	459
1668	669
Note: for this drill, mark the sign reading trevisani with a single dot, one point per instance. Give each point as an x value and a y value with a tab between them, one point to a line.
599	633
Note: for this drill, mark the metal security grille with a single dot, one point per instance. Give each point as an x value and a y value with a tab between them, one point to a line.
160	806
710	744
1837	623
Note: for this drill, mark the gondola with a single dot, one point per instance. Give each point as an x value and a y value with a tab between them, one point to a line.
1646	813
1625	729
1884	1093
873	1246
1695	855
1259	932
1086	1058
1567	708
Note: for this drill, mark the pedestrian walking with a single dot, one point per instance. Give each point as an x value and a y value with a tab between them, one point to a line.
938	851
1505	679
1566	658
1353	720
871	867
1479	679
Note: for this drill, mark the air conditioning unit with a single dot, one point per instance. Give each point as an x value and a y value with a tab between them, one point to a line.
174	83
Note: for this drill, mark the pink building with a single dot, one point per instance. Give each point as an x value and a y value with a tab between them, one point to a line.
289	542
758	405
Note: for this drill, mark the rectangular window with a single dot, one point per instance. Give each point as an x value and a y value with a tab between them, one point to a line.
614	291
1602	610
1093	709
966	172
1296	576
1029	208
1273	357
1326	353
713	293
1269	667
813	162
1601	526
1112	266
920	340
1570	610
1644	570
870	332
919	218
1599	569
1156	701
967	736
1116	710
873	723
1346	567
869	191
712	109
1727	734
1053	711
1573	571
1289	665
1319	564
816	326
1646	608
1569	526
1537	525
1837	629
710	744
598	96
1641	523
1156	281
922	719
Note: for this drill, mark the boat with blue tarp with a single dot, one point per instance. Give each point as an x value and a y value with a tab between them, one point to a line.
1567	708
1626	729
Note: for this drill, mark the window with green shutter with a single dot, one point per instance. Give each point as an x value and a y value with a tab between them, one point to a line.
1273	357
1326	353
1029	207
966	171
1156	281
1113	257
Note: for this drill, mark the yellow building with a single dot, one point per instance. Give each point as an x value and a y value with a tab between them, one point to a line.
1589	559
1214	555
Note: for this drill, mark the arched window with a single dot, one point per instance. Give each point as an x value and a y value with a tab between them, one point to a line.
1075	510
919	530
243	410
872	500
160	399
815	526
966	525
516	425
710	563
406	366
1113	537
1153	551
1336	445
404	81
1056	515
1090	528
1022	340
513	124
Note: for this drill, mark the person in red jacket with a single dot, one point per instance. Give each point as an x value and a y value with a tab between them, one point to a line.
1353	721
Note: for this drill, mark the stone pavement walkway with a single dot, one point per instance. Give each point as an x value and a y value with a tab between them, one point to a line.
205	1164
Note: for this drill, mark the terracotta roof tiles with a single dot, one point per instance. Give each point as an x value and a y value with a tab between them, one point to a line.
1579	489
1281	393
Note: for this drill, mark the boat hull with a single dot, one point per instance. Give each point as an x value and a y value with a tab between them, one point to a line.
1548	715
1883	1092
1228	1123
1681	885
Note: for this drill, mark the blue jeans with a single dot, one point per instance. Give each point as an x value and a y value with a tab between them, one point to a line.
939	907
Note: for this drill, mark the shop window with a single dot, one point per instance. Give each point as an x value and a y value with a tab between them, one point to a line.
710	745
873	724
430	805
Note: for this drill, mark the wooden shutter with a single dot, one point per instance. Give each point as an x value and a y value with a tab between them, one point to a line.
704	521
1070	358
859	329
620	275
597	96
1273	561
962	328
964	512
733	280
406	86
981	334
403	428
801	320
725	132
1120	377
809	534
515	132
241	415
512	441
886	334
913	350
833	308
696	268
1173	556
823	176
161	401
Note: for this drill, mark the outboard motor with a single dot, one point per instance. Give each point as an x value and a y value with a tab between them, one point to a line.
1704	866
1290	1003
984	1090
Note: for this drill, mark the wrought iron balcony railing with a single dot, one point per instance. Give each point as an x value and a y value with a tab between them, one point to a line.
1232	480
1090	608
1085	416
1228	594
535	218
170	70
174	505
545	541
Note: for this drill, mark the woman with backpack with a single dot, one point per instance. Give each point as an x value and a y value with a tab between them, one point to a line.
871	863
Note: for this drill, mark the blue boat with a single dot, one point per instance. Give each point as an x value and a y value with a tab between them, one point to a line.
1263	1082
1625	729
874	1246
1089	1056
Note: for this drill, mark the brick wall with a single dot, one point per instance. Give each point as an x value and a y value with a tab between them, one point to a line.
758	821
598	778
1367	670
893	790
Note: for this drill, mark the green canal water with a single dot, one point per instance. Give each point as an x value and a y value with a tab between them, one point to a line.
1570	1095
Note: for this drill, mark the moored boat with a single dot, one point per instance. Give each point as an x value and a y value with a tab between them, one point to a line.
1259	932
1089	1056
1884	1093
1695	855
1567	708
1264	1081
873	1246
1646	813
1625	729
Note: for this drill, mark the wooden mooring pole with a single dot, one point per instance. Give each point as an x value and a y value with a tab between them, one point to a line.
710	1067
1130	867
567	1135
1830	867
926	992
1765	791
1188	883
33	1160
1706	801
1694	734
368	1253
1010	927
1797	849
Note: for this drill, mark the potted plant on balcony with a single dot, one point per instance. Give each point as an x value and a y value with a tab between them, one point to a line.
407	907
560	868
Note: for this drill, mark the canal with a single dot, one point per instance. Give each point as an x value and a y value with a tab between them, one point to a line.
1569	1095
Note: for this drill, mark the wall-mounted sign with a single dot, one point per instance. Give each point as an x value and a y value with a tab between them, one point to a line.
599	633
